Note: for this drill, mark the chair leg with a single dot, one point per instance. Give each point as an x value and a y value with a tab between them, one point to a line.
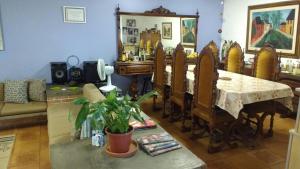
184	127
154	103
270	131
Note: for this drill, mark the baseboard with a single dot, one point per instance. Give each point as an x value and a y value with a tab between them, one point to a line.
24	120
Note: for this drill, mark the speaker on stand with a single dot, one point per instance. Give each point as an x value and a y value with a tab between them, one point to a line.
90	73
59	72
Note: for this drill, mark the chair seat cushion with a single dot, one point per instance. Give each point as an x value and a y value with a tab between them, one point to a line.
16	109
221	115
177	101
259	107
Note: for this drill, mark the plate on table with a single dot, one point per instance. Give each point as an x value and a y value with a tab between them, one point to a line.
225	78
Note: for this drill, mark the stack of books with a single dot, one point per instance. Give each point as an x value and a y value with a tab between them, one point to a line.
156	144
148	124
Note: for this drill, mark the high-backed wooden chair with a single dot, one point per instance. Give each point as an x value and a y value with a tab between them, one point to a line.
266	63
234	59
205	93
214	48
266	66
159	80
178	83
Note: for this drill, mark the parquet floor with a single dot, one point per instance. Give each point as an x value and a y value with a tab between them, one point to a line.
31	147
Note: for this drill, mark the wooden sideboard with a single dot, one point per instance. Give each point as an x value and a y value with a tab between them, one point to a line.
134	69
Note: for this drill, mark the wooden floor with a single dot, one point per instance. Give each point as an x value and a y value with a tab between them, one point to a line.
31	147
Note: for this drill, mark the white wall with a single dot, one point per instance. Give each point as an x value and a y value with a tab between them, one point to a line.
235	20
143	22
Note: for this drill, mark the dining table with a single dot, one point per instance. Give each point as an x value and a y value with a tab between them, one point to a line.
236	90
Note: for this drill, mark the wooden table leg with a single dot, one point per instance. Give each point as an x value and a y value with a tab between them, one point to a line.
134	87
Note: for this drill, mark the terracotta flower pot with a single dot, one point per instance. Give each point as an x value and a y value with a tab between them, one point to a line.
119	143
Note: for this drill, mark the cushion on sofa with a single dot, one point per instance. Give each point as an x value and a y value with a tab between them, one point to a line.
61	126
15	91
37	90
27	108
1	92
92	93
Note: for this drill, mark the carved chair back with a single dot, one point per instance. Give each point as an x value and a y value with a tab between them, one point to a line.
159	67
214	48
234	59
266	63
179	68
205	89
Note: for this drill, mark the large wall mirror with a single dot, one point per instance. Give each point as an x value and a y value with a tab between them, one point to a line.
139	33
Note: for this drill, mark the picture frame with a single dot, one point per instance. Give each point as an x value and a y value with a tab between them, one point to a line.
267	23
188	27
131	23
74	14
166	30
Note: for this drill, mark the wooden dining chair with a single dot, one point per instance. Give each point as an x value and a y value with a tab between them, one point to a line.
214	48
178	83
234	59
159	78
206	117
266	63
266	66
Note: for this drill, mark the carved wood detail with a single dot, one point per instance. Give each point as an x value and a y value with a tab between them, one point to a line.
160	11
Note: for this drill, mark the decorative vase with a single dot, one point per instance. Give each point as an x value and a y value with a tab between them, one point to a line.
119	143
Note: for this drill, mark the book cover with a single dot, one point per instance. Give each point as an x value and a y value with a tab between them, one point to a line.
155	138
162	151
159	146
139	126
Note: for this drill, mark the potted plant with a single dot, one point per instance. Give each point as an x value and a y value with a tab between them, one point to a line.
113	115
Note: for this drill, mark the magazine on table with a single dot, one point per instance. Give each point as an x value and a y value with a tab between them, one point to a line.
148	124
155	138
156	144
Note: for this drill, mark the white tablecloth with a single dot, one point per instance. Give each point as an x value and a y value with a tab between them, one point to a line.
241	89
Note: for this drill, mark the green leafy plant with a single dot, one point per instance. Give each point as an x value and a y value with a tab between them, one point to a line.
112	112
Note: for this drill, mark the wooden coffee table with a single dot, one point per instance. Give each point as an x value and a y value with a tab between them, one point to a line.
81	154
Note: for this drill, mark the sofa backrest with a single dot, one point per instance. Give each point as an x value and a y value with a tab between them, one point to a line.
1	92
92	93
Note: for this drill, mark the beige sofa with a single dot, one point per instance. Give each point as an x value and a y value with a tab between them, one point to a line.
61	116
18	115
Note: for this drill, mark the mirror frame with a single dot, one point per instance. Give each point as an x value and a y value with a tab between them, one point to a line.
157	12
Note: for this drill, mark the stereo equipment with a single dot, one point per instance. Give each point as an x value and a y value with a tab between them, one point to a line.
75	74
59	72
90	72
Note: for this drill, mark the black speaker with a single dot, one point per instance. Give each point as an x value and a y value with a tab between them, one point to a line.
59	72
75	74
90	72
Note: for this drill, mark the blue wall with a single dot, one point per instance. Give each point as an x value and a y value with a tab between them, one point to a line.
35	34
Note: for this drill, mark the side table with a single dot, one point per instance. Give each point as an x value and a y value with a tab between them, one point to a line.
134	69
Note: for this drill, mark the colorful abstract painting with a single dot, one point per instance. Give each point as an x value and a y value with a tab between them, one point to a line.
188	31
276	25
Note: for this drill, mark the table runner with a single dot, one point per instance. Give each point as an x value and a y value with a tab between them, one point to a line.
241	89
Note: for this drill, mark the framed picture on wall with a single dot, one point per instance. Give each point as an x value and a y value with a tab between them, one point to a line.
167	30
276	24
188	31
131	23
73	14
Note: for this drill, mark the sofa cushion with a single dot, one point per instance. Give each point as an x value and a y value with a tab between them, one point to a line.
61	126
37	90
16	109
16	91
92	93
1	92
